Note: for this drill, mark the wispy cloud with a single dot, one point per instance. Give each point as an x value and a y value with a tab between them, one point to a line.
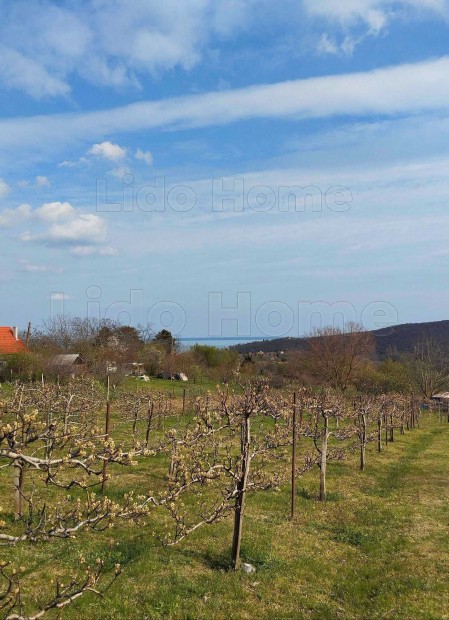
376	14
59	297
4	188
25	73
403	89
45	45
12	217
145	156
352	21
28	267
91	250
42	181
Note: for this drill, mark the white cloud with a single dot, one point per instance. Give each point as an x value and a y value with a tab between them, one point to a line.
33	268
73	164
11	217
26	74
108	150
89	250
107	42
59	297
4	188
145	156
120	172
54	211
42	181
402	89
346	46
373	15
59	224
326	45
84	229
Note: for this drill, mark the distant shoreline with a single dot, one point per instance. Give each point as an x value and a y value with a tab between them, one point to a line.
218	342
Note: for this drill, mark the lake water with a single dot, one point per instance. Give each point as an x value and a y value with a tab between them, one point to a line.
221	343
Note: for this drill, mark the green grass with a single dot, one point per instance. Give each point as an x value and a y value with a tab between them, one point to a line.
378	550
171	388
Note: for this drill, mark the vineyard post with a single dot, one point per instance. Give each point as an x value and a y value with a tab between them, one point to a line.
323	460
379	432
363	438
135	420
293	497
18	468
149	419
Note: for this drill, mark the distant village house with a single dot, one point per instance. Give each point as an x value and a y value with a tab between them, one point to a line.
68	364
10	342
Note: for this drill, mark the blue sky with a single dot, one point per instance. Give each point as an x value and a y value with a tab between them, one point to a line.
102	102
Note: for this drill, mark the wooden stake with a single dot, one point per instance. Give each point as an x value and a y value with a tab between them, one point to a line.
323	460
149	419
27	341
379	433
293	496
363	440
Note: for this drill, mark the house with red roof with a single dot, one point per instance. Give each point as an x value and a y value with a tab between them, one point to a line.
10	342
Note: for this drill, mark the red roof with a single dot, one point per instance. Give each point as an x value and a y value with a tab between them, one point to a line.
8	342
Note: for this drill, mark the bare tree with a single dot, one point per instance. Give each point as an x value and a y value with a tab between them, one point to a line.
429	366
336	354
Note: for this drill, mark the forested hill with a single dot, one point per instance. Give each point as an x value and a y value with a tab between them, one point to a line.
389	340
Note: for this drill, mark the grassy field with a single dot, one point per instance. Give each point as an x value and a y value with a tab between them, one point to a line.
174	388
378	548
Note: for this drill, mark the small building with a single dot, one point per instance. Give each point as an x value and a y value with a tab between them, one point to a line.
441	397
68	364
68	359
134	369
10	342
